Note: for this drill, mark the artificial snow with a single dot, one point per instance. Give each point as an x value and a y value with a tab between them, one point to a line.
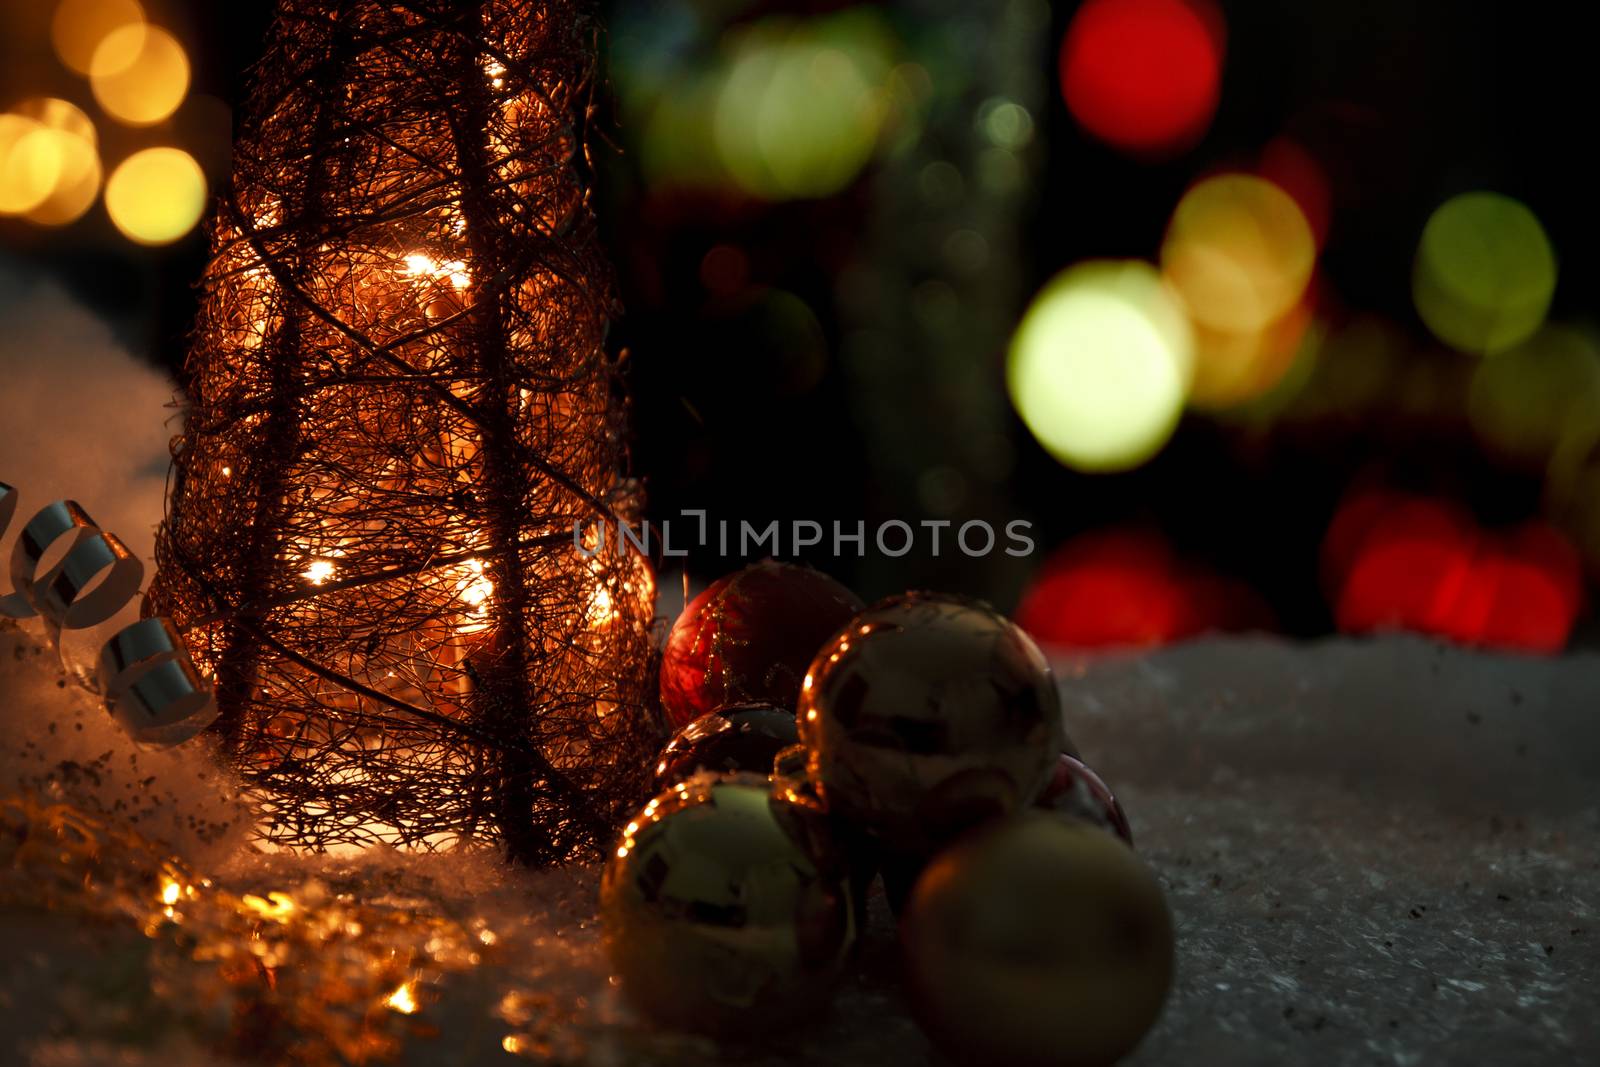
1381	851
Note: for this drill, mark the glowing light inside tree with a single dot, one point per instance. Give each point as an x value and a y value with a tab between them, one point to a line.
402	405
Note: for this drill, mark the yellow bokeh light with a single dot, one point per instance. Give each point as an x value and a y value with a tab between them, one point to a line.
156	196
1485	273
57	114
1100	365
139	74
80	25
1240	252
1234	368
29	165
60	151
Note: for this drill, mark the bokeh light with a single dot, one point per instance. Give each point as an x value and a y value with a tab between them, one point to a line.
29	165
1239	251
786	331
1579	513
679	145
1292	168
1233	368
1144	75
156	196
1540	399
63	146
80	25
1484	273
139	74
1127	587
1395	561
1100	365
802	106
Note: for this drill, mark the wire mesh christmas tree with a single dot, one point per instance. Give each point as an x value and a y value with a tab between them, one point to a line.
401	404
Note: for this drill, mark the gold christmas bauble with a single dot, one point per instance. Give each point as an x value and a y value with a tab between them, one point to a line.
1037	942
927	715
726	908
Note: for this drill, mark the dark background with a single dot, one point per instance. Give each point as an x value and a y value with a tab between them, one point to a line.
1402	103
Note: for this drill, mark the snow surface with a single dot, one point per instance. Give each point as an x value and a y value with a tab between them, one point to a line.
1377	852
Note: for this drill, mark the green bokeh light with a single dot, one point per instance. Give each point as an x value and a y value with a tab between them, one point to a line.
1484	273
1540	400
800	112
1100	365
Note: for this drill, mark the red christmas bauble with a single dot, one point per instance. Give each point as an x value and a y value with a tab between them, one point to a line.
750	637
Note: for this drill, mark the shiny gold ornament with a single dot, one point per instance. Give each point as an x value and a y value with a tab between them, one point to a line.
927	715
726	908
861	852
735	737
1038	942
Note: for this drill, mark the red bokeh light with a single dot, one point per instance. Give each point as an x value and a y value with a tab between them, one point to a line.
1144	75
1127	588
1296	171
1392	561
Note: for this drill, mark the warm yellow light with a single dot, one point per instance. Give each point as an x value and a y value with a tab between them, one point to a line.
156	196
139	74
1234	368
80	25
60	151
455	270
274	907
602	610
170	893
30	165
475	589
403	999
57	114
319	571
1100	365
1239	251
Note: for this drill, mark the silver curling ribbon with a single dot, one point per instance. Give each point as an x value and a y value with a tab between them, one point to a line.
63	593
12	605
151	685
76	577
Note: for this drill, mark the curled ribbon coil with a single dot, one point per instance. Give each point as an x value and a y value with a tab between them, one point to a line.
144	672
